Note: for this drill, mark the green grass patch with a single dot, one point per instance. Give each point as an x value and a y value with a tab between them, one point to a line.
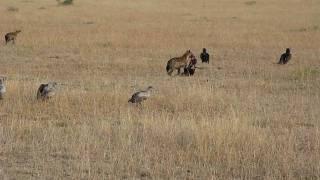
305	73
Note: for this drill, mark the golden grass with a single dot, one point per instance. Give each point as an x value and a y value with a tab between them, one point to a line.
240	117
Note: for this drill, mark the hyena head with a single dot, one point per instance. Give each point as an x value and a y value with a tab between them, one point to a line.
18	31
188	52
190	56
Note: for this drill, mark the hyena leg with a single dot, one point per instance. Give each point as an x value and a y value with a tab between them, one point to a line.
180	72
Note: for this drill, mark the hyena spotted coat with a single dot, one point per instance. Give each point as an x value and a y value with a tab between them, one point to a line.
178	62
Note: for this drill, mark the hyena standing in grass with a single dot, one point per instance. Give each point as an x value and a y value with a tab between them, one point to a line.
11	36
178	62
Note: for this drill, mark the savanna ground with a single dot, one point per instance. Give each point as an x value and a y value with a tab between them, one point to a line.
240	117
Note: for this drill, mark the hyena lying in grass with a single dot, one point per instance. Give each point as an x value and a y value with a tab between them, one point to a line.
178	62
11	36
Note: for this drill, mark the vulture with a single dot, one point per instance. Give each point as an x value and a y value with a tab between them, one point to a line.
140	96
285	57
46	91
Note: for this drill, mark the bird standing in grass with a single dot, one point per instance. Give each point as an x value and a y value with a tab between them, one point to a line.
47	91
140	96
11	36
204	56
2	88
285	57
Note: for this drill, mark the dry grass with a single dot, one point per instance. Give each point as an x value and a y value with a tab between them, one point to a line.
247	119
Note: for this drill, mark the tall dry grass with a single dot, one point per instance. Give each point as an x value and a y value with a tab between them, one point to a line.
240	117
